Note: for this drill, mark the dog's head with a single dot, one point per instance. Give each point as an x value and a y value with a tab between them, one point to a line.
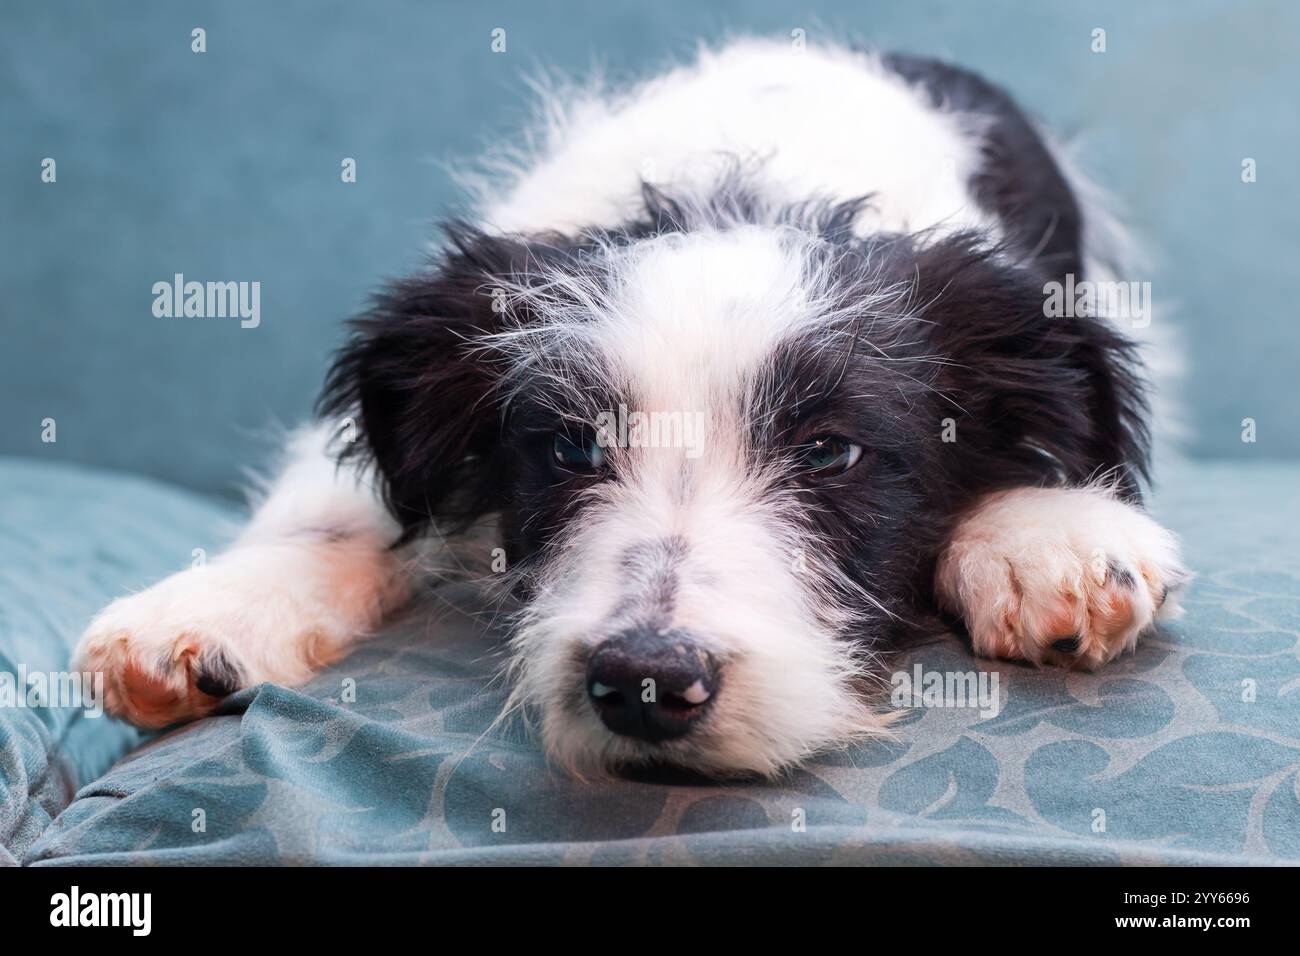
723	449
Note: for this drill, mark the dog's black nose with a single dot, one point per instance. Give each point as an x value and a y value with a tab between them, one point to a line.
651	685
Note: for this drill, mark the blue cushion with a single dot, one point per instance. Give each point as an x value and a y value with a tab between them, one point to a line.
71	539
1187	751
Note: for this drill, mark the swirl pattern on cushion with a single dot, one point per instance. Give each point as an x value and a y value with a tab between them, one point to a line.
1187	751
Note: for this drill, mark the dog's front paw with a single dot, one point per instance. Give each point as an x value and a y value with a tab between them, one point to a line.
273	613
1062	576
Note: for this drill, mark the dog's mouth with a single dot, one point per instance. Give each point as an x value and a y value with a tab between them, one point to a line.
657	771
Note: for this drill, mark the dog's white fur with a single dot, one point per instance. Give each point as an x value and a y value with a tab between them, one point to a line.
688	324
826	122
1032	565
310	574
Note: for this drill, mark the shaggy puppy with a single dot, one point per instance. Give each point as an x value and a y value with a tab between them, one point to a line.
748	371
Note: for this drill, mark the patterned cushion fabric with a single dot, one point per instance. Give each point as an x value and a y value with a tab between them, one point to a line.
70	540
1186	752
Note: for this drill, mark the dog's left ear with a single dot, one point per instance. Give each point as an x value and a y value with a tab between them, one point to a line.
1036	396
422	394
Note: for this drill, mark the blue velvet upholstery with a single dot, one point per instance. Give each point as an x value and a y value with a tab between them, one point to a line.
226	166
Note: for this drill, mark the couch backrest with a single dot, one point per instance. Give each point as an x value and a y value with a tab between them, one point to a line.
225	166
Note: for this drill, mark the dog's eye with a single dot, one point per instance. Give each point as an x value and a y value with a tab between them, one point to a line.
828	455
579	453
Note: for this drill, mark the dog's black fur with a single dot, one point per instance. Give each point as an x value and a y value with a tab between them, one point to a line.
1034	400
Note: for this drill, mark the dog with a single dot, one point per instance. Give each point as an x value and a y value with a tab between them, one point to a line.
746	374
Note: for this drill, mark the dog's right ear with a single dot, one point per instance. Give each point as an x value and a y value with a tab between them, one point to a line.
421	394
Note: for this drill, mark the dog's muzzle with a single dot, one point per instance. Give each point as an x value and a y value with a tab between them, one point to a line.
651	685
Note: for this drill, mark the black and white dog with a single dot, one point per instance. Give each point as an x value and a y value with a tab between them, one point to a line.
747	371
